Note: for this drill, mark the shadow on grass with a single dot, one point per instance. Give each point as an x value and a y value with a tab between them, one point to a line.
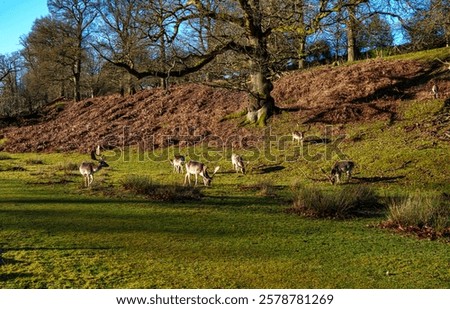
377	179
13	276
271	169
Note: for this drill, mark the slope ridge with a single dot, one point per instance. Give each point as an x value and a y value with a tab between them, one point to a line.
190	113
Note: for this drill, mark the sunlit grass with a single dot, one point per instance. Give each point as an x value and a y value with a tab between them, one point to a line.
55	233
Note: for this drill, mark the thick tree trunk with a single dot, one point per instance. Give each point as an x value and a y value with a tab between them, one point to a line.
261	104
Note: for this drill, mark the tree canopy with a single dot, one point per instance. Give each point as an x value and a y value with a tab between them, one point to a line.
86	48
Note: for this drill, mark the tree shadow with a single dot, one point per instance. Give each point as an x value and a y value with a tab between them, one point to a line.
377	179
401	88
13	276
271	169
317	140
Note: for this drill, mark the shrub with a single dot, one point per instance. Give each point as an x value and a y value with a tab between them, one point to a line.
348	201
418	211
143	185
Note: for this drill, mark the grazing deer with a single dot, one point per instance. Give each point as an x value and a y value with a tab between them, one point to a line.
435	90
338	169
197	168
177	163
238	163
87	169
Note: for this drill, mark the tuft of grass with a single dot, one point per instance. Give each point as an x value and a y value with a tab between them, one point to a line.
419	211
347	202
144	185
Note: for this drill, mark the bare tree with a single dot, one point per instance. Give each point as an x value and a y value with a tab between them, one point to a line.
5	67
9	87
78	16
246	27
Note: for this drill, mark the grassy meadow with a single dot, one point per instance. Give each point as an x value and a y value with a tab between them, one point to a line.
54	233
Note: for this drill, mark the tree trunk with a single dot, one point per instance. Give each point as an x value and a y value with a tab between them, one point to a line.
261	104
76	81
302	53
351	35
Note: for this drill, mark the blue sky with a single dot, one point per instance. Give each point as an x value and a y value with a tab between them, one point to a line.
16	19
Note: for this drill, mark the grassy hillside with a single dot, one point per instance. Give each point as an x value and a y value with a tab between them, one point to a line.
54	233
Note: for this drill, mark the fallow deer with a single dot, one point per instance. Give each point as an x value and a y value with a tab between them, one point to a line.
87	169
238	163
299	135
198	168
177	163
339	168
435	90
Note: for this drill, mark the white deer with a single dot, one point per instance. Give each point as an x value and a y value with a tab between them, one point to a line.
198	168
238	163
177	163
87	169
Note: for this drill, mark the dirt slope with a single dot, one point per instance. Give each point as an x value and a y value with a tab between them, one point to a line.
190	113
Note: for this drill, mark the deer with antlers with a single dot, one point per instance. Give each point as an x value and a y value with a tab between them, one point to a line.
87	169
198	168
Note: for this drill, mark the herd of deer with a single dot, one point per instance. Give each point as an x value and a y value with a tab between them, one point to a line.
87	169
